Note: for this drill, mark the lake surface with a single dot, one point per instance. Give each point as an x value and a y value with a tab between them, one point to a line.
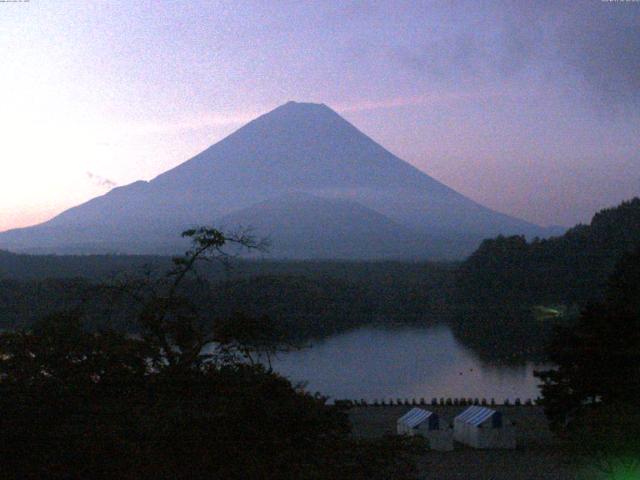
374	363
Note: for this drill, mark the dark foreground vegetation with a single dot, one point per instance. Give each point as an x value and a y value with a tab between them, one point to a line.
83	404
108	376
592	397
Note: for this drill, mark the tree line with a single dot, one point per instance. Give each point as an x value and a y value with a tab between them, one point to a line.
572	268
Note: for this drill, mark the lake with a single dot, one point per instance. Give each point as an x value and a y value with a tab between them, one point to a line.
413	362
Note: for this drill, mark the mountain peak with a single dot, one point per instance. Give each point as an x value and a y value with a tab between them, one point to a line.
306	147
296	110
291	104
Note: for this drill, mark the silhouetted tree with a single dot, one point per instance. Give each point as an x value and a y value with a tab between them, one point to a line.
595	389
251	338
83	404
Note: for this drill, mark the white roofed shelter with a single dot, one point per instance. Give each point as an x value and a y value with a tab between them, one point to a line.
481	427
427	424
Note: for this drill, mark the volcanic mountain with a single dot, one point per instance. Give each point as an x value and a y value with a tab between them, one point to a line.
300	174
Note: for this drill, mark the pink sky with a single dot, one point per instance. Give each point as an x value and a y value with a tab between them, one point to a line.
533	110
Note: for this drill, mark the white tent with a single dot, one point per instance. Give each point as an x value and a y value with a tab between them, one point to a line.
481	427
427	424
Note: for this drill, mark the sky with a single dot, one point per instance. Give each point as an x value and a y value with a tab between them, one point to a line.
530	108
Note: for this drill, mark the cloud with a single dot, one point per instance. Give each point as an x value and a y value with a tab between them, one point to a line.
592	47
101	181
603	49
495	41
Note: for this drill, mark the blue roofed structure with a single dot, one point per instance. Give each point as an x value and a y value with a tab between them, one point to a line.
425	423
482	427
477	415
416	416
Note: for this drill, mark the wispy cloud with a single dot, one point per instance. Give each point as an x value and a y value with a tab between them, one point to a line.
593	46
101	181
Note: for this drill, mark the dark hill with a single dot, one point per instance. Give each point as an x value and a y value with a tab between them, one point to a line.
572	268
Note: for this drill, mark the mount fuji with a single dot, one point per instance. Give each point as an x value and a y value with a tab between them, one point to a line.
301	175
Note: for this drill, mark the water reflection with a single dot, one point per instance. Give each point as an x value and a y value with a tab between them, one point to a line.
373	363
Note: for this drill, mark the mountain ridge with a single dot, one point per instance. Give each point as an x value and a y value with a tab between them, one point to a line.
300	147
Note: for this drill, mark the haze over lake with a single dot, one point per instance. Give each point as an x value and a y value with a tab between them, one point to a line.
410	362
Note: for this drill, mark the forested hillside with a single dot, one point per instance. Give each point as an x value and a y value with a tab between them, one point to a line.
311	298
571	268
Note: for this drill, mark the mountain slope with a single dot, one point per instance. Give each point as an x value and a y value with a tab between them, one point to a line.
300	225
296	147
